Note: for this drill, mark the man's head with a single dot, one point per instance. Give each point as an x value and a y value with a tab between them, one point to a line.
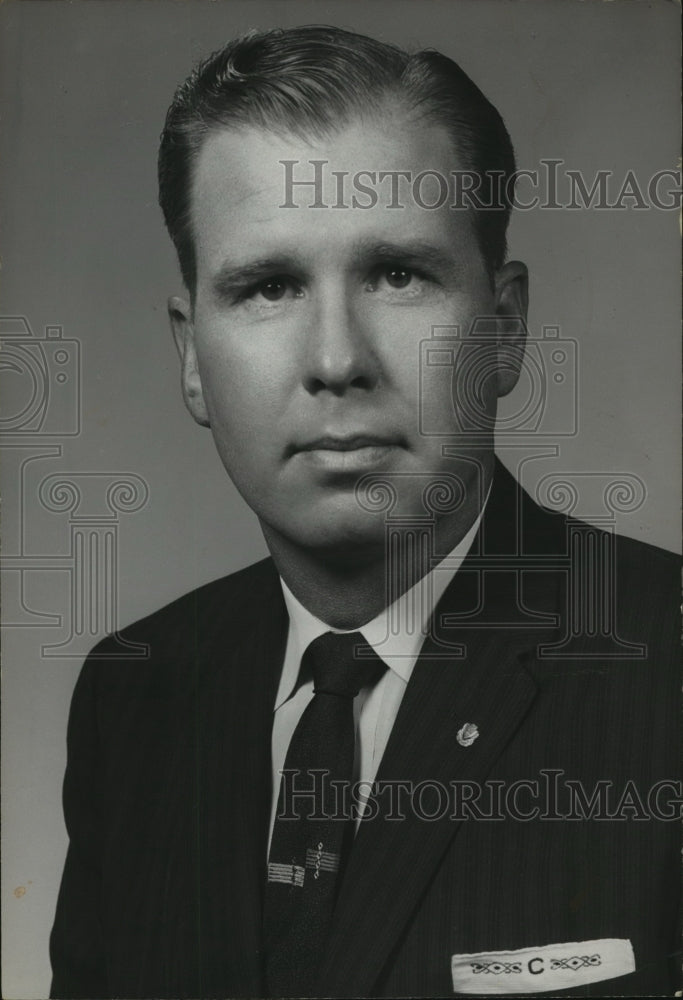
309	82
302	346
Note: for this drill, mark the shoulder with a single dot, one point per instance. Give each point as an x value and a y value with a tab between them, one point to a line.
164	650
517	523
234	600
647	562
635	573
547	531
601	583
619	610
646	596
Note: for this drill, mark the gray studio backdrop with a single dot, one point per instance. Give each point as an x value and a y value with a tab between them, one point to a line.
114	502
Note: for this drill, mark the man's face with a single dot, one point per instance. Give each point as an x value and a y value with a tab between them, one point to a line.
303	351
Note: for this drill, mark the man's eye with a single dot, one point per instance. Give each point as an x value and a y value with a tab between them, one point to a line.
275	289
398	277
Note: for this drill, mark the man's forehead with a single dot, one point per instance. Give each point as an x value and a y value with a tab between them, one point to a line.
250	182
246	160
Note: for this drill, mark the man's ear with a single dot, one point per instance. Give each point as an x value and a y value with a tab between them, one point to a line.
180	315
512	301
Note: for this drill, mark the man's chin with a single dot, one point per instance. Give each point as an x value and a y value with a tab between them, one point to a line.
354	540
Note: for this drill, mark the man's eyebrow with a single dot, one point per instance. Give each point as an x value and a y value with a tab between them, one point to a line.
233	275
410	252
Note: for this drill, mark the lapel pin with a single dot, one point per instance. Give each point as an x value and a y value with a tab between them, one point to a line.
467	734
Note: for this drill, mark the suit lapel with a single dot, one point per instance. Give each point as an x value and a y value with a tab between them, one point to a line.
393	860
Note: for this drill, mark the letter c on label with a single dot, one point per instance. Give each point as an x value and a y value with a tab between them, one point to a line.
530	963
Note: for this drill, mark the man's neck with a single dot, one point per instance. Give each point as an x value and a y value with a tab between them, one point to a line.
348	588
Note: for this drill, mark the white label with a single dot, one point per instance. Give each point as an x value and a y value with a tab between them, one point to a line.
548	967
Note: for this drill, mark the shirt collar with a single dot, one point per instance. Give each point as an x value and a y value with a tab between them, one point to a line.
398	631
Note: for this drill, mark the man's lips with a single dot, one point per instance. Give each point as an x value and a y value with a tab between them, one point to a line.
353	442
348	454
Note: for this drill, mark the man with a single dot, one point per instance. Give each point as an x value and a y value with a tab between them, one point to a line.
202	862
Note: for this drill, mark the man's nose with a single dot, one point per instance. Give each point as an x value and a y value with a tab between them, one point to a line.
340	354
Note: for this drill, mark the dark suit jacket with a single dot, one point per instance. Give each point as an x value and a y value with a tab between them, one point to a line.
167	790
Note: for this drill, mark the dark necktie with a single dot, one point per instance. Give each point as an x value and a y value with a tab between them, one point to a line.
313	827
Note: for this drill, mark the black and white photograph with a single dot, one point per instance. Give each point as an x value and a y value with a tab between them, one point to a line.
341	480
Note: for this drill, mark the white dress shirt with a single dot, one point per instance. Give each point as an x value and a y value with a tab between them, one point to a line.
396	635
